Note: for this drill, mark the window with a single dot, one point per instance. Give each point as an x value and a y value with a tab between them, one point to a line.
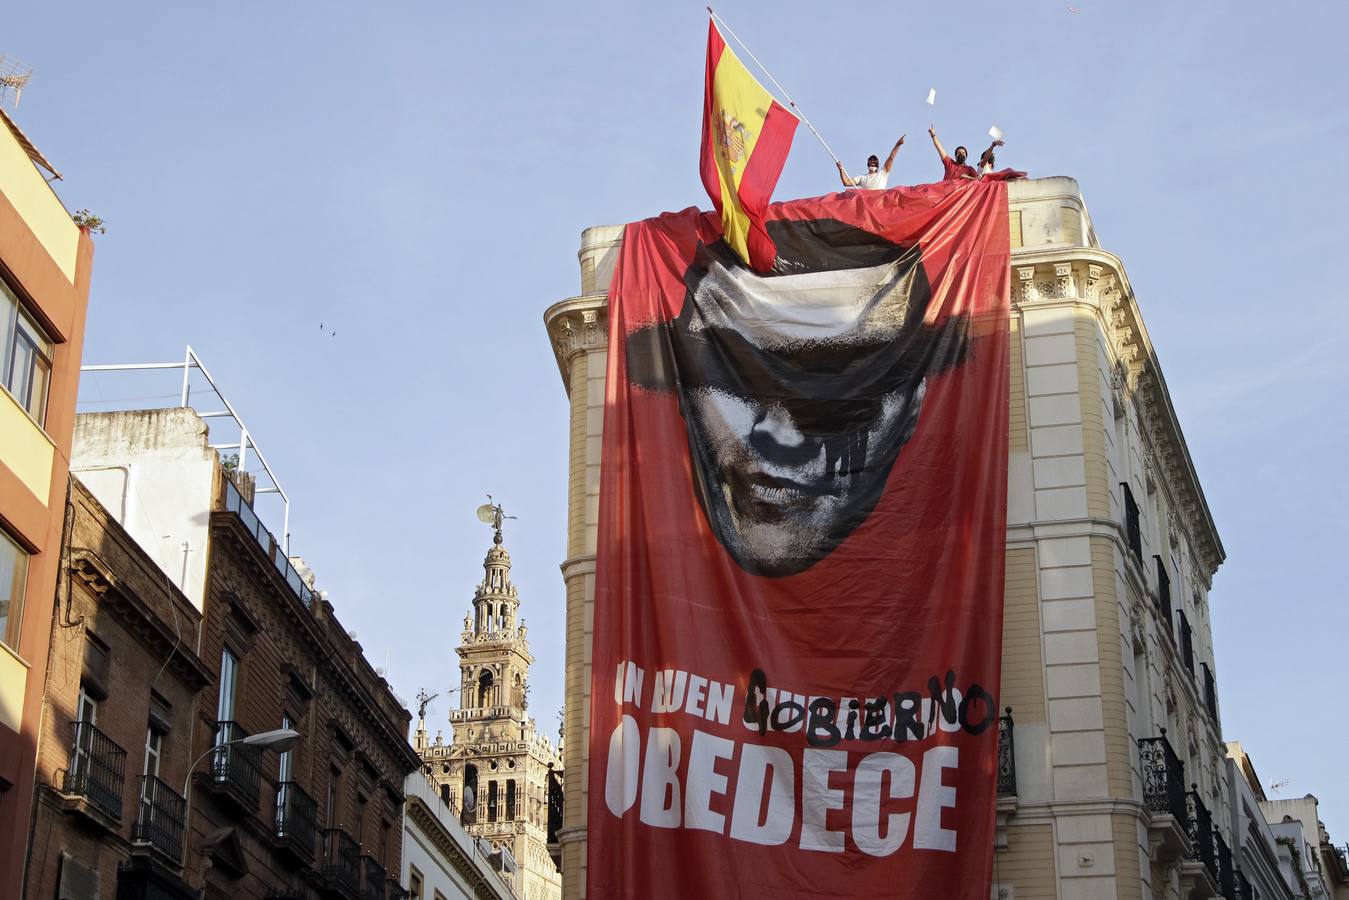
286	760
440	896
510	800
13	576
1131	525
86	717
25	356
154	745
229	679
491	801
415	889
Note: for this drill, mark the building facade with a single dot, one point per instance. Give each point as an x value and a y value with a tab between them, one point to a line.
1312	864
45	266
441	860
1114	781
1264	865
122	683
498	767
324	818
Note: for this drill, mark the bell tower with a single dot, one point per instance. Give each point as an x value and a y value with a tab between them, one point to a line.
497	770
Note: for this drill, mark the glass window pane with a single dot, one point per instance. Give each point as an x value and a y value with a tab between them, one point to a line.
13	576
228	672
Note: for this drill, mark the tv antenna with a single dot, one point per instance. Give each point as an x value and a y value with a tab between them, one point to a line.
491	513
424	700
1276	787
14	77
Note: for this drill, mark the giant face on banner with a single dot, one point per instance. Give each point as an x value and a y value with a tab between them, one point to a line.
798	388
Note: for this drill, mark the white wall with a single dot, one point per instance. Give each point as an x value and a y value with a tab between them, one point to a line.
154	471
451	876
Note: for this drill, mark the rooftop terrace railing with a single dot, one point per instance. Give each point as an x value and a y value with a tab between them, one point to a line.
274	549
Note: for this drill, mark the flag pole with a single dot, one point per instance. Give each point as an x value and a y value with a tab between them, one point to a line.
780	88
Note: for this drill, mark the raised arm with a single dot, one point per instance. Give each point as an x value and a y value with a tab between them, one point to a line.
997	143
890	160
843	176
941	151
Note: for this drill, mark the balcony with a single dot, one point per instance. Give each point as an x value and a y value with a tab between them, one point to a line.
341	863
1244	889
1164	796
236	770
96	770
271	547
395	891
1200	871
1227	877
1006	756
372	879
159	824
296	821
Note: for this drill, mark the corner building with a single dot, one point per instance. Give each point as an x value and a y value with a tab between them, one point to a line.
1112	779
498	769
45	266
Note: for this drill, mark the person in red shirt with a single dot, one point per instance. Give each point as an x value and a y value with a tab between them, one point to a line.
956	168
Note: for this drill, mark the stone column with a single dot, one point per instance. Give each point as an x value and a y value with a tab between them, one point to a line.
579	332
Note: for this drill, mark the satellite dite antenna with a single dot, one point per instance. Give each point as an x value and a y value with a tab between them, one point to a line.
14	76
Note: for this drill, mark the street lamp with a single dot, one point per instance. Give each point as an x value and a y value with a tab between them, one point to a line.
278	739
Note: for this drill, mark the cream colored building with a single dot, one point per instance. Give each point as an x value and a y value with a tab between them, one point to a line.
1120	782
496	768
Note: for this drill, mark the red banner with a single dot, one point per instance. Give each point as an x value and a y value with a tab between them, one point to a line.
798	601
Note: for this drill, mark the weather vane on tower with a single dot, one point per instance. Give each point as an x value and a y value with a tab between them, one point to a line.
492	513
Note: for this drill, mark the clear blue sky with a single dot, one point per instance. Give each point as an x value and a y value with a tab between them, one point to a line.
416	176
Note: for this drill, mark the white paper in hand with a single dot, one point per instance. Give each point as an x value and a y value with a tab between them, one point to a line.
932	97
995	132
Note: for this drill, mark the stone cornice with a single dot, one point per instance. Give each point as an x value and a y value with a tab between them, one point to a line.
576	325
115	595
1097	278
464	862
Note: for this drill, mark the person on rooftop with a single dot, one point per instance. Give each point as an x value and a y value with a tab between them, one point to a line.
986	173
956	168
877	176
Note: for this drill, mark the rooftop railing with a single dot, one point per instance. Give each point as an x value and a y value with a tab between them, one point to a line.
96	770
274	549
160	821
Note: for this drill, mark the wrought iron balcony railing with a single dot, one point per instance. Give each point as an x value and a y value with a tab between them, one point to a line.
1227	877
1163	777
296	819
395	891
1202	835
1244	889
372	879
161	818
1006	756
1132	531
96	770
236	769
341	861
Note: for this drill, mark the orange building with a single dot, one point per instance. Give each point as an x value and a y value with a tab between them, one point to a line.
45	262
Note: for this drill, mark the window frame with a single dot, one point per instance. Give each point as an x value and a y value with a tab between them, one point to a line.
40	350
18	586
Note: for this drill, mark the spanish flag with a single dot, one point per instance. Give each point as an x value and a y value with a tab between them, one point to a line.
746	136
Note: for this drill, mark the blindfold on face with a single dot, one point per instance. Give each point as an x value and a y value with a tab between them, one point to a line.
841	316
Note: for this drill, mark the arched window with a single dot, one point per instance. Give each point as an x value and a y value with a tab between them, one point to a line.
485	689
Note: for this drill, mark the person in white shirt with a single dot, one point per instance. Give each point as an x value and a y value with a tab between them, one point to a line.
877	176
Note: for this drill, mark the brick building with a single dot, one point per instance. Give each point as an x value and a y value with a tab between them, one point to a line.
324	818
122	682
45	265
